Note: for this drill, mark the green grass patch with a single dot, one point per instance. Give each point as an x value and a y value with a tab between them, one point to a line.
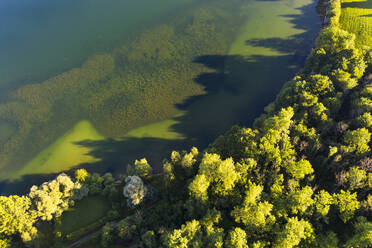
356	17
84	213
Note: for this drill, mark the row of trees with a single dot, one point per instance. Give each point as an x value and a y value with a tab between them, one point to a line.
19	214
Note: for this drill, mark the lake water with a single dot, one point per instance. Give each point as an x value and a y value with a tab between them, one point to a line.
98	84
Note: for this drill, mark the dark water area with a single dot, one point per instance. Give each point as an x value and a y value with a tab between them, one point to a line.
41	38
141	88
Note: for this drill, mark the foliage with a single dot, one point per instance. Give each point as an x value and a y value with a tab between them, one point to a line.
362	234
347	204
4	242
108	234
357	140
148	238
142	168
237	239
134	190
187	236
293	232
94	182
81	175
52	198
126	229
17	218
323	202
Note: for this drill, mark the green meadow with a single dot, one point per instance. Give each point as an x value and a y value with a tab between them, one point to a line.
83	214
356	17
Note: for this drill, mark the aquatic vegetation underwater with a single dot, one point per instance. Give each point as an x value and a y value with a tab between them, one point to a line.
179	82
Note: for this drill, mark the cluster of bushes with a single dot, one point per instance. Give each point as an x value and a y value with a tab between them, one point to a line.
19	214
22	216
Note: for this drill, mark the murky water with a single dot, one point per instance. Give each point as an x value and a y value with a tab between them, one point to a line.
97	84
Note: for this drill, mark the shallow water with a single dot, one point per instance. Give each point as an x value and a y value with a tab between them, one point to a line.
99	84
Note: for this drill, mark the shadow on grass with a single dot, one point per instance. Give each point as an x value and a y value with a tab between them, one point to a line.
362	5
237	90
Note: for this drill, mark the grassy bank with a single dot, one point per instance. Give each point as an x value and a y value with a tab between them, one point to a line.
84	213
356	17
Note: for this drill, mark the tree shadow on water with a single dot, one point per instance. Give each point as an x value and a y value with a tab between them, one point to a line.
237	89
115	154
231	98
22	185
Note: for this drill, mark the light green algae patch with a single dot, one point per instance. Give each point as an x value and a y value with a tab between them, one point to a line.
267	19
64	153
161	130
